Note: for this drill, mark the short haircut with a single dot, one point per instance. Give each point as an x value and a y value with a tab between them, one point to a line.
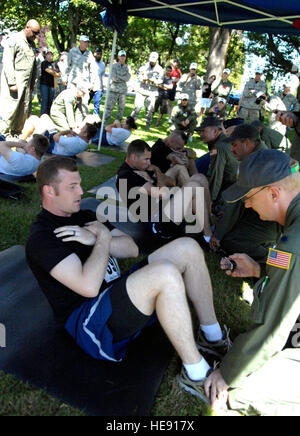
137	147
131	123
91	130
41	144
48	171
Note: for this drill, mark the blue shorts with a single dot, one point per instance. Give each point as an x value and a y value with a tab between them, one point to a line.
104	326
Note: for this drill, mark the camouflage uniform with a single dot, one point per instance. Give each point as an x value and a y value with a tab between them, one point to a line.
19	68
250	111
82	71
191	86
147	92
290	101
120	74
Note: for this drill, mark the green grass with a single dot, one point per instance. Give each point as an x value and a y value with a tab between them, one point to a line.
21	399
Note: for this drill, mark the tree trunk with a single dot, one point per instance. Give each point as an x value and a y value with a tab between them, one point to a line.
218	45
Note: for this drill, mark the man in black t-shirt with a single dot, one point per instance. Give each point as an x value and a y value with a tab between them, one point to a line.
73	260
165	212
49	72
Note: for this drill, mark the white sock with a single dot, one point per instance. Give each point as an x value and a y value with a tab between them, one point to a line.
213	332
197	371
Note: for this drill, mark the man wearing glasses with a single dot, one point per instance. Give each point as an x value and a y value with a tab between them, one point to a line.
17	80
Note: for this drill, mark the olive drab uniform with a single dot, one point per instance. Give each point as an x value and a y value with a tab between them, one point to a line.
19	68
63	108
120	75
272	138
240	229
262	373
223	168
182	113
250	111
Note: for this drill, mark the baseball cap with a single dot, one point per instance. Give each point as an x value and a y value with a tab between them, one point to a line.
243	131
209	122
227	70
175	60
184	97
258	71
122	53
153	56
193	66
259	169
84	38
98	50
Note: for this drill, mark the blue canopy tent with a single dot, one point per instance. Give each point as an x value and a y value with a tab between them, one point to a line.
263	16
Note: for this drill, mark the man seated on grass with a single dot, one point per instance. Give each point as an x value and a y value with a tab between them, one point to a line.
73	256
173	159
116	134
262	367
64	143
163	215
25	160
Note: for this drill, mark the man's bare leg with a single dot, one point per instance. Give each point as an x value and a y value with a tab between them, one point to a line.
159	287
188	257
179	173
177	208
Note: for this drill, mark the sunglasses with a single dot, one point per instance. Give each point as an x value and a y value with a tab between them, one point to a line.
35	32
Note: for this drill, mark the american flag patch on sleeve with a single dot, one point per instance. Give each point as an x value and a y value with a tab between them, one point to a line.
279	259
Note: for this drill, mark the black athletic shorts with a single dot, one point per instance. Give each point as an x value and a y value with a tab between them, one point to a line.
126	320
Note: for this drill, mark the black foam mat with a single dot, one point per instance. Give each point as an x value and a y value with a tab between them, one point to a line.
38	352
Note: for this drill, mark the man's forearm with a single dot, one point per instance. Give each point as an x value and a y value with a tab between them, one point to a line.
94	269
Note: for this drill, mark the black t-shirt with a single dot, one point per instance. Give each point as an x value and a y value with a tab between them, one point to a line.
134	179
44	251
159	153
46	78
206	90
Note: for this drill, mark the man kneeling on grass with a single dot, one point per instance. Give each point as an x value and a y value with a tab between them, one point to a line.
72	255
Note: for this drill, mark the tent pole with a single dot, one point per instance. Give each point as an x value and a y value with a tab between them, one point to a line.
108	87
